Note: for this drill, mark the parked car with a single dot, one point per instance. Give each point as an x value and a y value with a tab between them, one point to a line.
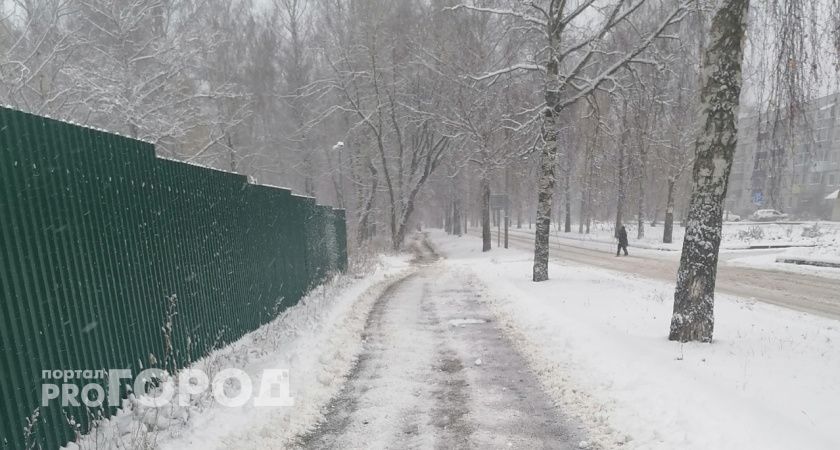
728	216
768	215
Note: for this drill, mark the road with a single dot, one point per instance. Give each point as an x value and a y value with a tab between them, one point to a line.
437	372
801	292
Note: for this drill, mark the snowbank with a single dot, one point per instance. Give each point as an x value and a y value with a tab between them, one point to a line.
598	341
824	252
764	245
736	235
317	341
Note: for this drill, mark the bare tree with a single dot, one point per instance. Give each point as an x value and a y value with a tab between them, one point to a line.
297	66
574	65
38	48
693	318
394	106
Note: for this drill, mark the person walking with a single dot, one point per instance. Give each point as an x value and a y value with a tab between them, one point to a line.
622	241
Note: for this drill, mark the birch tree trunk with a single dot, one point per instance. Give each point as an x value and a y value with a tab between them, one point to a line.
545	194
586	186
619	210
547	176
466	213
693	318
559	208
642	180
668	233
590	186
485	214
567	192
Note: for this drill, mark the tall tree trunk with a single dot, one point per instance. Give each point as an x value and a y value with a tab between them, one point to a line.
363	232
545	194
619	210
308	171
335	175
449	213
409	198
582	214
589	188
622	170
517	196
231	152
548	166
456	216
693	318
642	179
567	189
357	174
668	233
584	188
485	214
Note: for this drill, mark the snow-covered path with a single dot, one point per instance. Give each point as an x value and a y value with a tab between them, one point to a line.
437	371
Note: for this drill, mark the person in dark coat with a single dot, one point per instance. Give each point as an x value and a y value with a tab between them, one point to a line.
622	241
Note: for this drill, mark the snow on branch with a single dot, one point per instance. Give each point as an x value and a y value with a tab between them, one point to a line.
580	9
500	12
675	16
513	68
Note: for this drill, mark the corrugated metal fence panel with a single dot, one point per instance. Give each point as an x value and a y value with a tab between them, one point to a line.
97	235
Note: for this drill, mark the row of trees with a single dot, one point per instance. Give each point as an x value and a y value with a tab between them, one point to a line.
651	105
356	101
415	111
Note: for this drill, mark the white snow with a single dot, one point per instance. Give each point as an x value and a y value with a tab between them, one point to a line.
812	240
316	340
598	341
462	322
735	235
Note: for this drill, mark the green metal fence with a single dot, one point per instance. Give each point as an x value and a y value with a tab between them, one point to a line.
97	235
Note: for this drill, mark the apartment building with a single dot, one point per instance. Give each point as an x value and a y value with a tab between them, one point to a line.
793	171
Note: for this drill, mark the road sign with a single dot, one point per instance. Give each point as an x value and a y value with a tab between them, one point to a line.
758	198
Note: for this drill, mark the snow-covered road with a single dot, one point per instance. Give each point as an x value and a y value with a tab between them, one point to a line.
437	371
802	292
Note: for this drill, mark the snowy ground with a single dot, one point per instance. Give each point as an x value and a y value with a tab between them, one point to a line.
438	371
468	352
317	341
810	240
597	339
736	235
